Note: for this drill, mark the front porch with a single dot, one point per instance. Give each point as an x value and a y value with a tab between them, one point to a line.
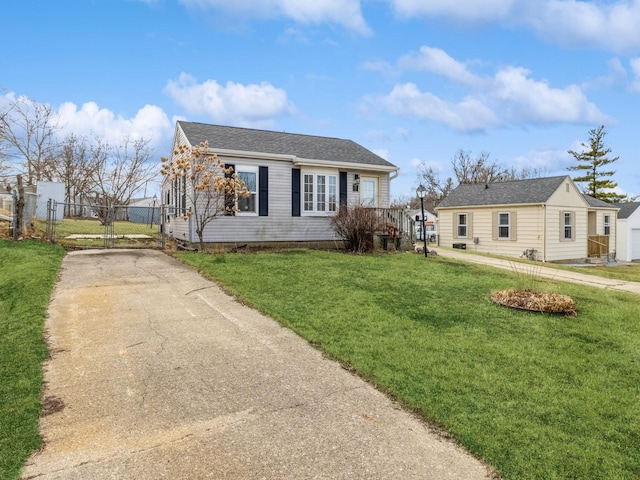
598	248
395	228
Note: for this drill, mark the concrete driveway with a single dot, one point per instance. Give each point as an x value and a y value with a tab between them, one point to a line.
156	373
540	270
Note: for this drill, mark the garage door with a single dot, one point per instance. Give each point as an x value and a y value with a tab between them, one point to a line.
635	244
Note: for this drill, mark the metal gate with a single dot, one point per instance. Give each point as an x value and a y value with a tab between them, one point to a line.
104	226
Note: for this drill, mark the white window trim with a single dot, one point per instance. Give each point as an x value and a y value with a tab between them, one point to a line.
466	225
572	225
249	169
315	212
508	225
607	224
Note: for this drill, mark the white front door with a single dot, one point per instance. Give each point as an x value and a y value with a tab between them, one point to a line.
369	192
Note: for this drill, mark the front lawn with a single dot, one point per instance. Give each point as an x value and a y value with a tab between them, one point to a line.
537	396
28	271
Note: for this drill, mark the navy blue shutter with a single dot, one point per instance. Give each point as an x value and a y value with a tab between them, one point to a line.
263	191
343	188
229	198
295	192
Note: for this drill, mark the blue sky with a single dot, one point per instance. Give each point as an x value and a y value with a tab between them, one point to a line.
412	80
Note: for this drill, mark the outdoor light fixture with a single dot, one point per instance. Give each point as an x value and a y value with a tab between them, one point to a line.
421	192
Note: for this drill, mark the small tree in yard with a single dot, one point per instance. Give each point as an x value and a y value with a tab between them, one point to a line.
357	227
211	189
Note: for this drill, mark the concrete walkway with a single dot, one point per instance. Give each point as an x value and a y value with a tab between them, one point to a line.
542	271
156	373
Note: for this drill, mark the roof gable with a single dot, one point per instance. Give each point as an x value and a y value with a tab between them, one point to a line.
529	191
304	147
627	209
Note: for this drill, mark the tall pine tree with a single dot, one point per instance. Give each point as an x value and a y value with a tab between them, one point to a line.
591	162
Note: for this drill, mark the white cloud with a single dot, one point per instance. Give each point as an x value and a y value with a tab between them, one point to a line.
406	100
549	160
150	122
342	12
608	24
611	25
524	100
468	10
437	61
509	97
234	103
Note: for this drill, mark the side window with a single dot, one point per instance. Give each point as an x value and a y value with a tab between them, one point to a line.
567	225
462	225
607	224
248	175
504	225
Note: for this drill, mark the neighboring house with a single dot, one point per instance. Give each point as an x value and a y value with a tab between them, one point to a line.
297	183
628	238
430	223
545	219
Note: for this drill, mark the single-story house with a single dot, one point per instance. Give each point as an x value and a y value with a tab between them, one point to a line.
545	219
297	183
628	238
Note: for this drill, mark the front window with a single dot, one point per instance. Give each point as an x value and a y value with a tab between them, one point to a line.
607	224
248	175
462	225
503	225
320	193
568	226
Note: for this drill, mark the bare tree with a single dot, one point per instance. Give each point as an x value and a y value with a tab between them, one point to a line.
4	160
75	165
437	189
119	173
468	170
212	190
476	170
28	130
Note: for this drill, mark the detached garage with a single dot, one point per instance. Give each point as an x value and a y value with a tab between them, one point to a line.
628	240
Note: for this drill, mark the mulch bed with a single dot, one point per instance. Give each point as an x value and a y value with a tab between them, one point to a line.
535	301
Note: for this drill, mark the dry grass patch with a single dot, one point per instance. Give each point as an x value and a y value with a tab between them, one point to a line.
536	301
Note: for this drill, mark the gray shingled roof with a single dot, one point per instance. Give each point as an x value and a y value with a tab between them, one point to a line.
529	191
597	203
626	209
307	147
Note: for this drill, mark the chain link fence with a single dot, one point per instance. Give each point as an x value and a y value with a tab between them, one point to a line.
85	225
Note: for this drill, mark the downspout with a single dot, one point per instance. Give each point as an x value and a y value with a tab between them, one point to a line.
394	174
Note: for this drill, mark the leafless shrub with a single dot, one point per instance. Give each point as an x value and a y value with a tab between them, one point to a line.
357	227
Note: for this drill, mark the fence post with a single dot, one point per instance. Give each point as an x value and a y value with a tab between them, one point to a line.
14	217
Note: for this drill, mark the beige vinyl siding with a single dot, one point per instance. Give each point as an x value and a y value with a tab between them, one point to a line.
566	199
527	226
558	248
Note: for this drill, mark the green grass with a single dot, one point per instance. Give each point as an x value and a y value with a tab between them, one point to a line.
536	396
28	271
71	226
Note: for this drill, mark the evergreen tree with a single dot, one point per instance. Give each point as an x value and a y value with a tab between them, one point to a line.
591	162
